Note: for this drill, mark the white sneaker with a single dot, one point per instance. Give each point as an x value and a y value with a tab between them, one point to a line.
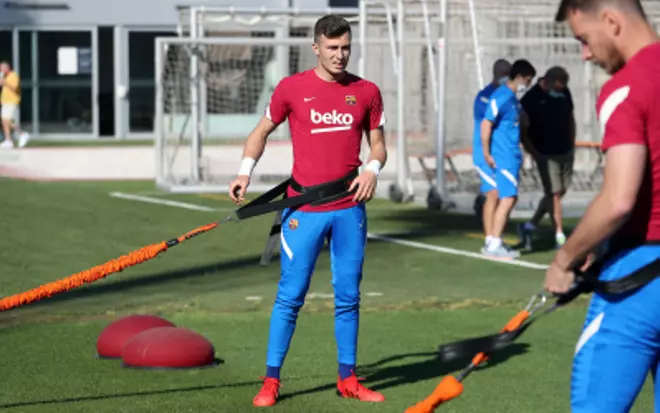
7	144
560	240
23	139
502	252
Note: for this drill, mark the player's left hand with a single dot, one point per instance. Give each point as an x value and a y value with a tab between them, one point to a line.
366	186
558	280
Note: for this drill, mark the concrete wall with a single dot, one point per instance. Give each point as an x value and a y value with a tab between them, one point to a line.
124	12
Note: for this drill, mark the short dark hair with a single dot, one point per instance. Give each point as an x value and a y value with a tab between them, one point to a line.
331	26
556	74
586	6
522	67
501	67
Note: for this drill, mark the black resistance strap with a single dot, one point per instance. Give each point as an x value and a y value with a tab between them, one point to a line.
313	195
585	283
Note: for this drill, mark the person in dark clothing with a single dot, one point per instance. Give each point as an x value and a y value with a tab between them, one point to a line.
550	139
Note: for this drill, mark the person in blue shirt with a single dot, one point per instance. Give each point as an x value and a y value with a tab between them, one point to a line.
501	69
500	138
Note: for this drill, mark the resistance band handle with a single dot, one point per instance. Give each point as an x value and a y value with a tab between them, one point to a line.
514	323
449	388
260	205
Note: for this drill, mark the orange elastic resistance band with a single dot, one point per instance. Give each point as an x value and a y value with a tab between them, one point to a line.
100	271
451	387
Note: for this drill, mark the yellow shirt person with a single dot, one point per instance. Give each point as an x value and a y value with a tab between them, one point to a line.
11	92
10	99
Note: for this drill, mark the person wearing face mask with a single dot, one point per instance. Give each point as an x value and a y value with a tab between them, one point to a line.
550	139
500	139
501	69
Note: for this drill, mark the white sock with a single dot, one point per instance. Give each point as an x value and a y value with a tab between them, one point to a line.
495	243
489	238
529	226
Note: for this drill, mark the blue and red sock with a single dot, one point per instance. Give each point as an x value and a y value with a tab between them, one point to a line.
273	372
346	370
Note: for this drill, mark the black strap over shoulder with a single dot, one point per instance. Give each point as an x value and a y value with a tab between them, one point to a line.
313	195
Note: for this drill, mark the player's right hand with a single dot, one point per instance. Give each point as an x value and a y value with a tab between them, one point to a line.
490	161
238	188
364	186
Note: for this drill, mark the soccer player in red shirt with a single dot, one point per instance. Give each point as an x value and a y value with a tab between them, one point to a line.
328	110
620	343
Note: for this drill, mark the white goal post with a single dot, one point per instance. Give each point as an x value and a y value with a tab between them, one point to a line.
214	81
429	57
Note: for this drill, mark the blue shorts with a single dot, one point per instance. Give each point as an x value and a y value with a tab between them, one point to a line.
620	342
486	175
506	177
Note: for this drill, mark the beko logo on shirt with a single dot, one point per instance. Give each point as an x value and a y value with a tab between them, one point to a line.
338	121
332	118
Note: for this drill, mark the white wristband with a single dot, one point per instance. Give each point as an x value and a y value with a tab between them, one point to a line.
374	166
247	165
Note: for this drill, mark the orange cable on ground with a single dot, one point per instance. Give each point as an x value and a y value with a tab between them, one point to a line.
451	387
100	271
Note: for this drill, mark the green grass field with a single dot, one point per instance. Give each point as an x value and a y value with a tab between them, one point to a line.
414	299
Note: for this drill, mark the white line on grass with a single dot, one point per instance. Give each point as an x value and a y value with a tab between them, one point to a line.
413	244
167	202
454	251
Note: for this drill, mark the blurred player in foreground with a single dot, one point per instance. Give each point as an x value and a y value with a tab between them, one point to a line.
501	69
328	110
500	137
620	343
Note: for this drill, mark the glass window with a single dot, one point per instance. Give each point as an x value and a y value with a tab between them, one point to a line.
343	3
141	51
65	109
25	110
142	112
6	45
25	56
48	45
65	100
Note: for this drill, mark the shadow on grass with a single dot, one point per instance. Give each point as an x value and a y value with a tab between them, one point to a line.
419	223
194	280
127	394
381	375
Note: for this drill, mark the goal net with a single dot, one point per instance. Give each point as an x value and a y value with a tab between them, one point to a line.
215	80
429	58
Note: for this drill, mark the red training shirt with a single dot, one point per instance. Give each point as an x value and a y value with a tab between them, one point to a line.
326	122
628	113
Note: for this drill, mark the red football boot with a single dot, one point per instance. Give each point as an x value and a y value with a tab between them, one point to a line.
350	387
269	393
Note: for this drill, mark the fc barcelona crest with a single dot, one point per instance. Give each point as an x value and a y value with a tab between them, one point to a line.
293	223
351	100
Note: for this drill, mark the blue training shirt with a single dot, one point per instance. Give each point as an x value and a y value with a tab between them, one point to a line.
479	111
504	110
